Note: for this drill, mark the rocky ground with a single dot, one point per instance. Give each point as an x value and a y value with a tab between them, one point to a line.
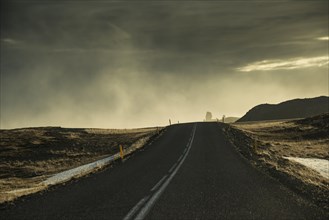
30	155
267	144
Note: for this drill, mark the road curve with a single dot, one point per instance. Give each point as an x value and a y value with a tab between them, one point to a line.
190	172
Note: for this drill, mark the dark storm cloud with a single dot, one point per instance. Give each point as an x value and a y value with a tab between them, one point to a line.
182	27
69	60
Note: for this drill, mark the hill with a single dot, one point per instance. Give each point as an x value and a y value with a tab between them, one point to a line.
296	108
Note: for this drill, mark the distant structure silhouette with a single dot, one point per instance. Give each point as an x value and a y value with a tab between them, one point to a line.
208	116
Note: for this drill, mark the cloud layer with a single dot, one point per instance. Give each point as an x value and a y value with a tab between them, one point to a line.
323	38
124	64
290	64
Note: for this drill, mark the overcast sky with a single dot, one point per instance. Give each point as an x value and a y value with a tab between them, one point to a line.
122	64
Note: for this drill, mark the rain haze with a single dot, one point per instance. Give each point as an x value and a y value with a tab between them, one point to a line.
124	64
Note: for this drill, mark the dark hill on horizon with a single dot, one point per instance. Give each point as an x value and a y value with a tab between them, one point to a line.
296	108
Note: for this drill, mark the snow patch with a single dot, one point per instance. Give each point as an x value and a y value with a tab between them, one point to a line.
90	167
60	177
72	173
319	165
79	171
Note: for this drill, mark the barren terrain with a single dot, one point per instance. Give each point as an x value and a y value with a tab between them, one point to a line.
30	155
269	144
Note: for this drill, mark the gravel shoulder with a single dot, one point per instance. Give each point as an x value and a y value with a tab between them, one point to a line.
31	155
270	144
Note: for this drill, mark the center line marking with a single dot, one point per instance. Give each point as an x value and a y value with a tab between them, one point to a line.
172	168
135	209
149	204
158	184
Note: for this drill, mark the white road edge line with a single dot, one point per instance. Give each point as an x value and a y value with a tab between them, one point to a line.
135	208
147	207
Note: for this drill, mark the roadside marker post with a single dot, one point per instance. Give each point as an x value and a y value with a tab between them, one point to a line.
121	152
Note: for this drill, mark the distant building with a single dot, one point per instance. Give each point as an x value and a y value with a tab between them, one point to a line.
208	116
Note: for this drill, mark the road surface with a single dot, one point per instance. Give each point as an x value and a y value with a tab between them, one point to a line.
190	172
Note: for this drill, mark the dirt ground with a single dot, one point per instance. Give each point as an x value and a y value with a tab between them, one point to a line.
266	143
30	155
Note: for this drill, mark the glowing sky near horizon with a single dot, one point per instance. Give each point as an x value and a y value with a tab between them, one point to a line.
123	64
290	64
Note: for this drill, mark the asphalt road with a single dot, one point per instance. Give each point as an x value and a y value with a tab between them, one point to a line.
190	172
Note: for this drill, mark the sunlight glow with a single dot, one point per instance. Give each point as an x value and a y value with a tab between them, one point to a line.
295	63
9	41
323	38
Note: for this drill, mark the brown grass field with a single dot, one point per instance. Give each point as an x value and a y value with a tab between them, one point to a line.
266	143
30	155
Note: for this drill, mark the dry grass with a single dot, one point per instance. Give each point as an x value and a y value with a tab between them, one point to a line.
267	143
288	138
30	155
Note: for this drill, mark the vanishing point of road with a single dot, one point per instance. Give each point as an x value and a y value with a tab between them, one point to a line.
190	172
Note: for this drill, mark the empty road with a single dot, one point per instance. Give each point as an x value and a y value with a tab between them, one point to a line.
190	172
